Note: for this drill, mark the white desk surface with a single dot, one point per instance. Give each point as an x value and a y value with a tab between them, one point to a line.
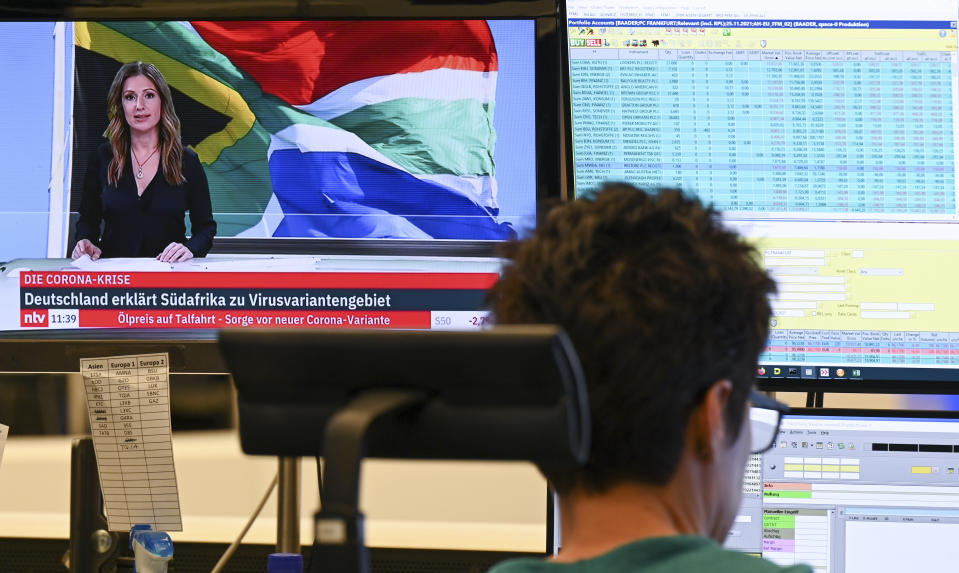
439	505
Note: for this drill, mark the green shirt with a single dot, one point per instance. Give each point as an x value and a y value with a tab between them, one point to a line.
679	554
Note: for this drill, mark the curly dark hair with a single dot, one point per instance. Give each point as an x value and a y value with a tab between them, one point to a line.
660	301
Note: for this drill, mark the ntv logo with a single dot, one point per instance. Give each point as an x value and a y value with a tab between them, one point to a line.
35	318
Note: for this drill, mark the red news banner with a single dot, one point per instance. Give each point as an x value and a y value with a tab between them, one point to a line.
71	299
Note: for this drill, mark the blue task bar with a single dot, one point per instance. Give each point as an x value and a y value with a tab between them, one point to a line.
915	512
771	23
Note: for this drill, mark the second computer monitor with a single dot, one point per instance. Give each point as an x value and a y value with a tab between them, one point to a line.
825	134
850	492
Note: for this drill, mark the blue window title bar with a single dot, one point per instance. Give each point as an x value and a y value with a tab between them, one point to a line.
837	24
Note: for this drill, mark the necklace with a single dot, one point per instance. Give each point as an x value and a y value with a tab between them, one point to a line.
139	163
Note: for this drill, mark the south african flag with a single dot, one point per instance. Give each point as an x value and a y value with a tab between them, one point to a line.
358	129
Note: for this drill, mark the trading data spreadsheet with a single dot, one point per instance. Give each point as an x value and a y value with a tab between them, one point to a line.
824	132
782	130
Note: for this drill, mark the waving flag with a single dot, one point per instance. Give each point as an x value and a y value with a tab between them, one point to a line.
346	129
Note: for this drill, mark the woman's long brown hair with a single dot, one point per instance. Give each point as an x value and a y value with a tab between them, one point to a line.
118	131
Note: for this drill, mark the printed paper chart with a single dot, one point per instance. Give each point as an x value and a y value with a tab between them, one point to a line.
128	398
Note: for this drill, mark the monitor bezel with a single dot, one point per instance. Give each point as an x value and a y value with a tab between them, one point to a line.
891	386
569	170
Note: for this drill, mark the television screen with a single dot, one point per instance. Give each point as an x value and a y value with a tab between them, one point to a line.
360	171
356	129
825	134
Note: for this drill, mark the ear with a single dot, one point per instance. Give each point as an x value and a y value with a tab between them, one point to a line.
707	422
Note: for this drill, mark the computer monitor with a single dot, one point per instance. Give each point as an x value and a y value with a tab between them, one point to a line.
825	134
361	159
847	491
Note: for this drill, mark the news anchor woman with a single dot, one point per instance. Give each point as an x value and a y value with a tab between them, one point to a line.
142	182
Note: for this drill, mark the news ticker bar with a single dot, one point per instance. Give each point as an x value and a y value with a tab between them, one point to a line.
251	299
92	318
66	299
